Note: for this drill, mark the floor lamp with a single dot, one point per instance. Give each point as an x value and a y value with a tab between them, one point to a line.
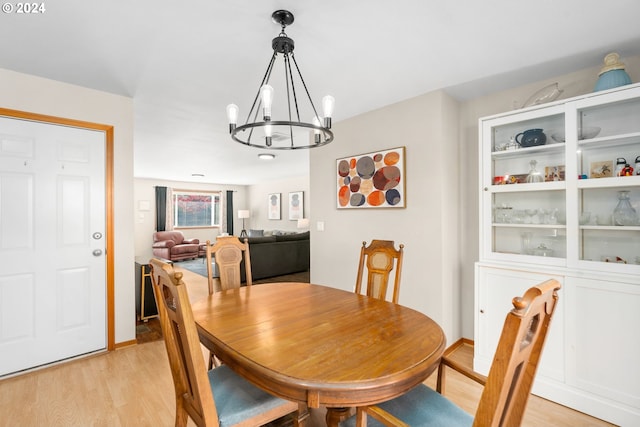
243	214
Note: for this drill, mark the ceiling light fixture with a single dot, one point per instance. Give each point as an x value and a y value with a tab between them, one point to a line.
266	156
282	134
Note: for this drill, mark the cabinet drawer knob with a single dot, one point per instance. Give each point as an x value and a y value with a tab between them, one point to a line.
482	311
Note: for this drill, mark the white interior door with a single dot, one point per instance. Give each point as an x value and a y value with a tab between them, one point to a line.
52	243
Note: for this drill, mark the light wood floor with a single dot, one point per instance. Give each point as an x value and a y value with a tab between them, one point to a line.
132	386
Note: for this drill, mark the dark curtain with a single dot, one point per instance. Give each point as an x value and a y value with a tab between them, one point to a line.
229	205
161	208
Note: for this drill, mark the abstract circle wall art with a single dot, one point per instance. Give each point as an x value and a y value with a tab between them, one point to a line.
372	180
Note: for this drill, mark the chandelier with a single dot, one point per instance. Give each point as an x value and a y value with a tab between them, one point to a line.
292	133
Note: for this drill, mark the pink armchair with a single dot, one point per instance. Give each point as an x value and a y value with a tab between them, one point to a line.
173	246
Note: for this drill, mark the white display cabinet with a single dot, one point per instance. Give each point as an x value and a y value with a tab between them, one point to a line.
567	218
547	210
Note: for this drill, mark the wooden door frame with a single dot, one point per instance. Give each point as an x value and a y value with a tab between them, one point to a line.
108	130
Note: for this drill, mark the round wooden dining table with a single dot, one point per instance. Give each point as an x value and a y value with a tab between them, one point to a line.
320	345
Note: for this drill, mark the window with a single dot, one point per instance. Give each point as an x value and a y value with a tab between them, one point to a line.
196	209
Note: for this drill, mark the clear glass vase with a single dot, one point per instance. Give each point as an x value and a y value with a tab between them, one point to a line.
624	213
534	175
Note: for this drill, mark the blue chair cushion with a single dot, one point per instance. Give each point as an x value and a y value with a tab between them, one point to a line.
421	406
236	398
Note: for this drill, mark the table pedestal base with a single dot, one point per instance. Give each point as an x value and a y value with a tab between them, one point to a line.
335	415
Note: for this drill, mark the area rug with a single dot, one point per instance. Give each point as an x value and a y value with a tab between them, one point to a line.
198	266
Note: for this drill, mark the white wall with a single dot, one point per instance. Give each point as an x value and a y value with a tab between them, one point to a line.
144	190
428	226
258	203
49	97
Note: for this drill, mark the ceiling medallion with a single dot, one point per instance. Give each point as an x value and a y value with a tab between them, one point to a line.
260	130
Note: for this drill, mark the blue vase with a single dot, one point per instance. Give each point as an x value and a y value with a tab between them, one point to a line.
611	79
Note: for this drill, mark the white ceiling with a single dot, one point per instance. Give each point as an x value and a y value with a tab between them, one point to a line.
183	62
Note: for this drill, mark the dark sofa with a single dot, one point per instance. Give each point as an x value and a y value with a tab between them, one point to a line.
278	255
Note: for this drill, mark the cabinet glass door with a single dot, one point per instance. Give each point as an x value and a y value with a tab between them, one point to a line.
525	188
608	145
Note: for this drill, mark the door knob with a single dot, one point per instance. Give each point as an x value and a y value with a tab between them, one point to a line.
97	252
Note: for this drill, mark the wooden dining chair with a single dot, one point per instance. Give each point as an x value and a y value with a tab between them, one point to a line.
506	389
378	260
218	397
228	252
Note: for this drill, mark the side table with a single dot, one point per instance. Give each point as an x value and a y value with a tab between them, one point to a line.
145	301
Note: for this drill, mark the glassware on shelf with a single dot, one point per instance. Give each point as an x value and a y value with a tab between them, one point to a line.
542	250
585	218
511	145
534	175
532	216
525	243
543	216
624	213
518	216
503	214
603	219
546	94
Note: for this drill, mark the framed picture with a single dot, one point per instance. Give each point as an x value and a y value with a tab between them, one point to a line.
601	169
273	206
296	205
554	173
371	180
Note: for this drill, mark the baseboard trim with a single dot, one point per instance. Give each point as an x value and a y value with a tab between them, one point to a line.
125	344
453	347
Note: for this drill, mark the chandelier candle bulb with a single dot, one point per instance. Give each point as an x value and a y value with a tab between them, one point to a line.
232	115
268	133
316	132
328	103
266	94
